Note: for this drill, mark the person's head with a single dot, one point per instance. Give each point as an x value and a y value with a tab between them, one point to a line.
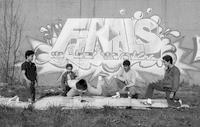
29	55
81	85
167	60
69	67
126	65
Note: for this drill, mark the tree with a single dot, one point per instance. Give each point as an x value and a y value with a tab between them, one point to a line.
11	28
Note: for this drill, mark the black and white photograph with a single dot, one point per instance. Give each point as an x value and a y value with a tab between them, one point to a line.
99	63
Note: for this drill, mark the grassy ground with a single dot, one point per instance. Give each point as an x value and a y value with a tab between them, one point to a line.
107	117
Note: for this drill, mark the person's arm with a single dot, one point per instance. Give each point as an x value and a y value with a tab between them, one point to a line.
23	68
176	80
132	80
36	76
76	74
36	79
63	80
73	75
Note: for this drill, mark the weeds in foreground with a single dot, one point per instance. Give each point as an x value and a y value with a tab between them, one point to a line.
108	116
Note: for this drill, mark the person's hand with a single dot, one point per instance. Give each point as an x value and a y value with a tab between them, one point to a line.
126	82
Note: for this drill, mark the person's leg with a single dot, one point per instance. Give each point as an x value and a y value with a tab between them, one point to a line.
167	91
26	92
151	87
172	102
32	91
66	89
120	84
98	90
100	84
167	95
115	85
123	90
133	92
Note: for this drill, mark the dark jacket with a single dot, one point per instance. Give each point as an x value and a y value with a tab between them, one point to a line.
65	78
171	78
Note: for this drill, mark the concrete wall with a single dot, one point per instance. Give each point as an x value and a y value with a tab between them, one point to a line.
180	15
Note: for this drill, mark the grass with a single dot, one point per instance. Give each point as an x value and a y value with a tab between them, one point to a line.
22	91
106	117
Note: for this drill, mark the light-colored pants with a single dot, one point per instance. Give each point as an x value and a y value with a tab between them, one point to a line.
117	85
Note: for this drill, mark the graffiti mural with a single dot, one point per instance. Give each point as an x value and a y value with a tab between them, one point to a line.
95	45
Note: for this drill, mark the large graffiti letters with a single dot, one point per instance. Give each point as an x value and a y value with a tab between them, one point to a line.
104	43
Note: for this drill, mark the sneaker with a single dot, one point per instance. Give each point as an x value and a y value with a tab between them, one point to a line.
147	102
15	98
116	96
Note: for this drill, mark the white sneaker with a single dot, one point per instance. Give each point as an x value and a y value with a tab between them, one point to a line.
147	102
117	95
15	98
180	101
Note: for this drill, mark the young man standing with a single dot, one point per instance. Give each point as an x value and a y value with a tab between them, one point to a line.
29	73
68	75
170	83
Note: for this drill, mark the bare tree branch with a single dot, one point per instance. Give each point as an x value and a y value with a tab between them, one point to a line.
10	38
5	20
